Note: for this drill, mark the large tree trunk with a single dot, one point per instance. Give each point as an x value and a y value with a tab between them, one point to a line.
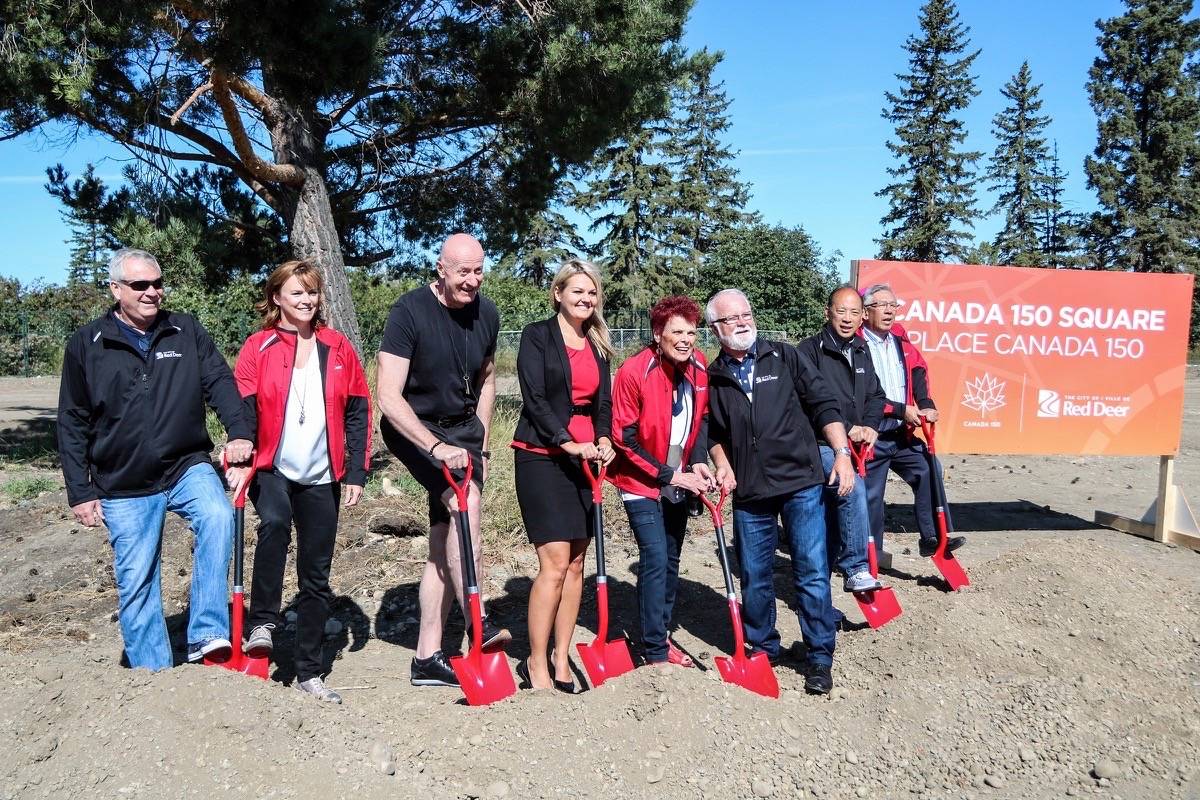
313	237
312	233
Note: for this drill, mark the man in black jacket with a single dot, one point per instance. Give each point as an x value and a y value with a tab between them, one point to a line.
134	444
844	361
764	402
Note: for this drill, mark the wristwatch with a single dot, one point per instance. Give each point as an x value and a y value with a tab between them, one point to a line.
843	451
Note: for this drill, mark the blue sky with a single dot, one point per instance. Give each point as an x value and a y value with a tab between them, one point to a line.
807	81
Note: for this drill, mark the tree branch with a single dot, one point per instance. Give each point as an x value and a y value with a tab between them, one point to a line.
195	96
267	172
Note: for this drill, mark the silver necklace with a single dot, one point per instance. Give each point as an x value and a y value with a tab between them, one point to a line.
302	394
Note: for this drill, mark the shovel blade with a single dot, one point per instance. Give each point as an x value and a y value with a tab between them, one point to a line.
752	673
951	570
879	606
484	676
604	660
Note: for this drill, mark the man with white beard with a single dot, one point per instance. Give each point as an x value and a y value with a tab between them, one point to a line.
764	403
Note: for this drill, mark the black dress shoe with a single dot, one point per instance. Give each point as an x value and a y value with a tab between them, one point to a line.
818	679
566	687
493	635
927	547
523	674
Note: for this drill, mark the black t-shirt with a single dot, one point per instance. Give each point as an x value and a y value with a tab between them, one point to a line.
442	345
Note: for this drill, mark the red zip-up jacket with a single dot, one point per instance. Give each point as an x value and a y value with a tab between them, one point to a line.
641	421
264	378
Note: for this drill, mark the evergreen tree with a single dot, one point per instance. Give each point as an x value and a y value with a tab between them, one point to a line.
1059	230
1143	88
709	197
1016	171
347	117
933	188
549	240
630	201
90	211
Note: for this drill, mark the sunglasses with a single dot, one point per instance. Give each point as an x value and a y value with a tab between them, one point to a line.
141	286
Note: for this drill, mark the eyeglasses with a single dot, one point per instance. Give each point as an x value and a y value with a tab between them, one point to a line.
141	286
733	319
891	306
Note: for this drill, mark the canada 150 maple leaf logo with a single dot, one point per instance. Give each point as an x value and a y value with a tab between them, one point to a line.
984	394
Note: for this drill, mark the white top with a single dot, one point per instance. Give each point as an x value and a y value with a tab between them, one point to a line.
886	358
303	454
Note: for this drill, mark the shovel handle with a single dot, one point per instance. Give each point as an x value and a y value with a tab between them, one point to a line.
861	452
715	508
927	428
595	471
460	489
239	499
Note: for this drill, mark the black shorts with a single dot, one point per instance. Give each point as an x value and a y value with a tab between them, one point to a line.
428	470
555	498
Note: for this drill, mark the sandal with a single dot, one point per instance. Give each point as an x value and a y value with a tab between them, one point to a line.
678	657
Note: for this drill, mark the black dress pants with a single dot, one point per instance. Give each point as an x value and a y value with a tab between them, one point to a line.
314	509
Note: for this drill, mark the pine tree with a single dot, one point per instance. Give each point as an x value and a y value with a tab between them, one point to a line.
1143	88
709	197
548	241
933	190
90	210
1016	172
629	199
1059	230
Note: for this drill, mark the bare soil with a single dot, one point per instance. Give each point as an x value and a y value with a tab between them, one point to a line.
1074	654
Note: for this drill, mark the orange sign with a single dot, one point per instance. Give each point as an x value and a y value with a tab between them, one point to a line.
1044	360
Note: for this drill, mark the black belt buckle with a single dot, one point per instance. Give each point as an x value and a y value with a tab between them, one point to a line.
584	410
452	422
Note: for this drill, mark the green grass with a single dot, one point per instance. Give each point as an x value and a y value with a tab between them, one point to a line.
28	487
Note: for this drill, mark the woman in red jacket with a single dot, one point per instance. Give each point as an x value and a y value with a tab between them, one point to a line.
659	423
304	386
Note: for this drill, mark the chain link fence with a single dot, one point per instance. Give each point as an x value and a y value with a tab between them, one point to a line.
32	344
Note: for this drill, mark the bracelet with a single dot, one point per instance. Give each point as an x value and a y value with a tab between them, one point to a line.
433	447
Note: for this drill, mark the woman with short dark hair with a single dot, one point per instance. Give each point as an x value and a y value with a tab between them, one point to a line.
660	400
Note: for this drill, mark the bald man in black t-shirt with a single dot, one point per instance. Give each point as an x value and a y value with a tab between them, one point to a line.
437	388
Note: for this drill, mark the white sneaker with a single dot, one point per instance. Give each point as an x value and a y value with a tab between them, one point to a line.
259	644
218	647
317	688
861	582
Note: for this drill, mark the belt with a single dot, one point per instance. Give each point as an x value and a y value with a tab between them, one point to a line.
451	421
584	410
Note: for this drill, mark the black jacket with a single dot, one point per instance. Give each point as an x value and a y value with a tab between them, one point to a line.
858	390
128	426
770	442
545	377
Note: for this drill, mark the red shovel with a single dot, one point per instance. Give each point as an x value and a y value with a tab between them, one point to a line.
945	561
879	606
484	676
239	661
602	659
750	672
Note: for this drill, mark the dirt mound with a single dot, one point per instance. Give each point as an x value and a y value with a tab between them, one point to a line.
1069	655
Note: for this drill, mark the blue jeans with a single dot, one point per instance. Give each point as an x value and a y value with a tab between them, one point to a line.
755	528
658	526
135	527
847	525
